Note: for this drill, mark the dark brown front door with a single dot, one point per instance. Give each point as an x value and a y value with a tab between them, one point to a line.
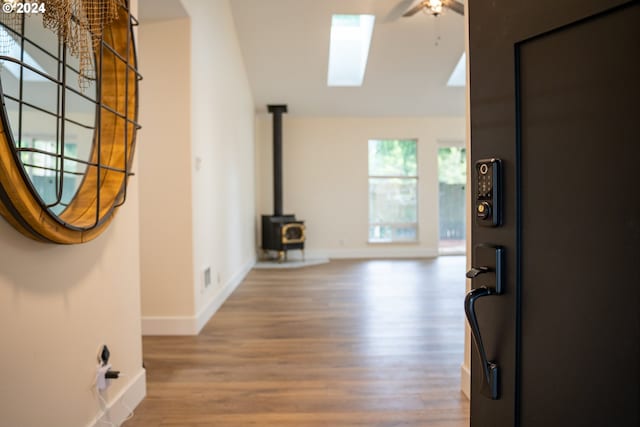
555	96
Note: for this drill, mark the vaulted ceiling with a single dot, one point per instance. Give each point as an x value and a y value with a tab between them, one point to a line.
285	44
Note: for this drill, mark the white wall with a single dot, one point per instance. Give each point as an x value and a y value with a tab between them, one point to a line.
223	148
58	305
326	178
213	209
166	245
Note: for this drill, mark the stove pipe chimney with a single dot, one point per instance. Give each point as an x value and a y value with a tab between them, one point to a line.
277	111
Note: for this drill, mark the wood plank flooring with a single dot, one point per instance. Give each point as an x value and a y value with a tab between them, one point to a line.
374	343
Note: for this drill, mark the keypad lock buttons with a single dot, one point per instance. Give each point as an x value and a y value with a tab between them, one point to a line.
487	192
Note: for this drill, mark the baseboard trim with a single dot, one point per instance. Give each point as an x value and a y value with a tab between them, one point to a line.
192	325
118	408
207	312
465	381
375	251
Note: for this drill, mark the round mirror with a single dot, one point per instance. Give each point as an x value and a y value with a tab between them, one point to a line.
68	139
51	124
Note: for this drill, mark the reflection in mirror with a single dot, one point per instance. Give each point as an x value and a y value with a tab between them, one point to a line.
52	120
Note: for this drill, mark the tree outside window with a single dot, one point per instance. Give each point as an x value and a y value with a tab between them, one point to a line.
393	190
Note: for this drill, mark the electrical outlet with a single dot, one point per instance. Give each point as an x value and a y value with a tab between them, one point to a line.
102	382
103	355
218	278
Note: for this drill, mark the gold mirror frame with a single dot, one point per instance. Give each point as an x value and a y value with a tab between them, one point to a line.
104	186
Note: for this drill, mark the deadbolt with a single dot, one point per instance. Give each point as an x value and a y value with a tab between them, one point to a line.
484	210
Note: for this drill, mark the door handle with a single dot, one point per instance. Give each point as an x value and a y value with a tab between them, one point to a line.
476	271
489	369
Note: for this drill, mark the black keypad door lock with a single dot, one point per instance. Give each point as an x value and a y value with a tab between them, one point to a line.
488	192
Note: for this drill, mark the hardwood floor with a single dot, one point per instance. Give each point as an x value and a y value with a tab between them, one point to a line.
374	343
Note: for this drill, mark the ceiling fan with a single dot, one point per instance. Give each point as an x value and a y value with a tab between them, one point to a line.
435	7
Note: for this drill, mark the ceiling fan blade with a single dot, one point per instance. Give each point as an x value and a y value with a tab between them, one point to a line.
454	5
415	9
397	11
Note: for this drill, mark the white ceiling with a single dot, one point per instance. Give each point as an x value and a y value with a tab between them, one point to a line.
285	44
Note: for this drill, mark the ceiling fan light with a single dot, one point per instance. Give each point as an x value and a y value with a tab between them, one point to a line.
435	7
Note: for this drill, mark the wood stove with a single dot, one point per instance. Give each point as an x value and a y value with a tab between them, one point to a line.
280	232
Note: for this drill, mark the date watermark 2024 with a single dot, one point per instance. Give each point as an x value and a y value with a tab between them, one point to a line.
23	7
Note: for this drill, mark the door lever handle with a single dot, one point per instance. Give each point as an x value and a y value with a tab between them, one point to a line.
489	369
476	271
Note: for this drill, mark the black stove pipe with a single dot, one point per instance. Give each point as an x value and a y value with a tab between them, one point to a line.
277	111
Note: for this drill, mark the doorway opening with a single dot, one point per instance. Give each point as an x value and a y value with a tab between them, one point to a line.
452	182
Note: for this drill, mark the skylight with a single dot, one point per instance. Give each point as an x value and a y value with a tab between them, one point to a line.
459	76
12	49
349	49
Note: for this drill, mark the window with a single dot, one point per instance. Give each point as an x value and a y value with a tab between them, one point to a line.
452	181
54	181
349	49
458	76
393	191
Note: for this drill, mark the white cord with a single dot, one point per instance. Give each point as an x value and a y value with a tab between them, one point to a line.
131	413
105	411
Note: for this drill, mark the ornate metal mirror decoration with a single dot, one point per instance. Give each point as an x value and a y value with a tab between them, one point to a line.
68	121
